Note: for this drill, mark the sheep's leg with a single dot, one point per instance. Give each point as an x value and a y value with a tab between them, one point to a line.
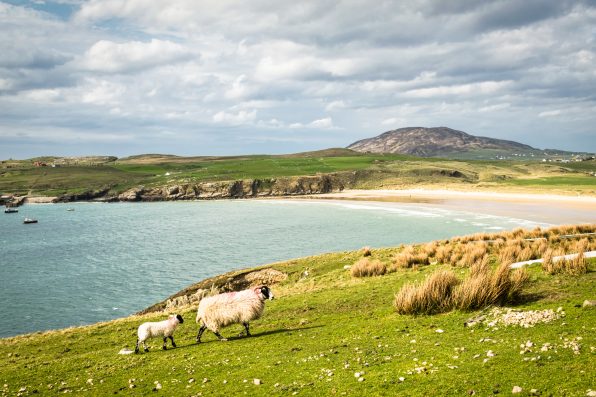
172	339
201	330
221	338
247	330
164	343
137	346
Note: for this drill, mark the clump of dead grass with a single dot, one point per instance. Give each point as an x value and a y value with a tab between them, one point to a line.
442	291
366	267
408	258
427	297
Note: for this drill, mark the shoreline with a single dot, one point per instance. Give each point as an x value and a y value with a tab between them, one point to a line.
544	208
536	207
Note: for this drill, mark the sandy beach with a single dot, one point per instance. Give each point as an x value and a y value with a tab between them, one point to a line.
543	208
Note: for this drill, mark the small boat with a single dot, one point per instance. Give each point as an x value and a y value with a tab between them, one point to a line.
70	209
29	220
10	210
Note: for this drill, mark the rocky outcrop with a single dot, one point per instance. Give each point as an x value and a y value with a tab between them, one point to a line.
236	189
232	281
84	196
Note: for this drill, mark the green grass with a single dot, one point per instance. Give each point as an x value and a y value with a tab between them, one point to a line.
588	181
326	323
361	170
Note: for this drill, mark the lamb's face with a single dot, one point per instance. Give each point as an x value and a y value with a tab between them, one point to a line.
180	319
265	292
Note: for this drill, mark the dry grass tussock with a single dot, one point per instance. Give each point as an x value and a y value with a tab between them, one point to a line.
409	258
473	253
486	287
366	267
574	266
427	297
442	291
366	251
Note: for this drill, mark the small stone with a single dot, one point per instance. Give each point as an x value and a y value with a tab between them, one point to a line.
591	393
157	386
225	381
401	378
90	381
534	392
22	389
439	331
516	389
361	379
191	380
589	303
132	386
490	353
205	380
256	381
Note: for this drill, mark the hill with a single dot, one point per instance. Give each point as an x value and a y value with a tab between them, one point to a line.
325	326
447	142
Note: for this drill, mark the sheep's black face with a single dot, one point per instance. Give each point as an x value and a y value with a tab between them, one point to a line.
180	319
266	292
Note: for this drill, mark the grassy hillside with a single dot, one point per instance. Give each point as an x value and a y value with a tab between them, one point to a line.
324	327
360	170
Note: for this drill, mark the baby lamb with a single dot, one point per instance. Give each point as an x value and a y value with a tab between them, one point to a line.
221	310
163	329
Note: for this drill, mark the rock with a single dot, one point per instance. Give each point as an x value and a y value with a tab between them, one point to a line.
534	392
589	303
516	389
361	379
256	381
591	393
126	351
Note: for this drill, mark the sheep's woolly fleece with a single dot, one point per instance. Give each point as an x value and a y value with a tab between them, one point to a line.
230	308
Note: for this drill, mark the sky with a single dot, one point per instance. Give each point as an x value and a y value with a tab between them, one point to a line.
223	77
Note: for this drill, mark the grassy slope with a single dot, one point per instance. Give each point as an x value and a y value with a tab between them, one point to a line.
324	322
376	171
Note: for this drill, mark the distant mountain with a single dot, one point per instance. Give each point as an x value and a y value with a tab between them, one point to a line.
446	142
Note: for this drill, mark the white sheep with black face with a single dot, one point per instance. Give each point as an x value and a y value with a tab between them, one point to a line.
216	312
164	329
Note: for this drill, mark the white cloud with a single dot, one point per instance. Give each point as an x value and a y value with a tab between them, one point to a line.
550	113
485	87
110	57
239	118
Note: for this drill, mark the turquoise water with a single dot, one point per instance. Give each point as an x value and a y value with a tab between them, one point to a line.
103	261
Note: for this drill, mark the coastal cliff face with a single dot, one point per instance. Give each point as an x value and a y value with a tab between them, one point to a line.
236	189
248	188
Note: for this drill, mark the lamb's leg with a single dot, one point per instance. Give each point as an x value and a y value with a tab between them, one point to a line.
172	339
137	346
164	343
247	330
221	338
201	330
145	347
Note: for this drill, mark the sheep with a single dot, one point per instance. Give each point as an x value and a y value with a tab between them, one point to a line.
163	328
221	310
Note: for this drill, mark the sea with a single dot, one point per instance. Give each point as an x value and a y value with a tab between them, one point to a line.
89	262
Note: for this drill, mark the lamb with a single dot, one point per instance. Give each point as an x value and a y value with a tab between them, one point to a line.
163	328
221	310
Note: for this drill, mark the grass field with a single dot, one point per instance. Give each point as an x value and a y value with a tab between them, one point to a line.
370	170
322	329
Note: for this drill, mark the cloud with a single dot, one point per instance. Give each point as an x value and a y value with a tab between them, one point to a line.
239	118
216	73
110	57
